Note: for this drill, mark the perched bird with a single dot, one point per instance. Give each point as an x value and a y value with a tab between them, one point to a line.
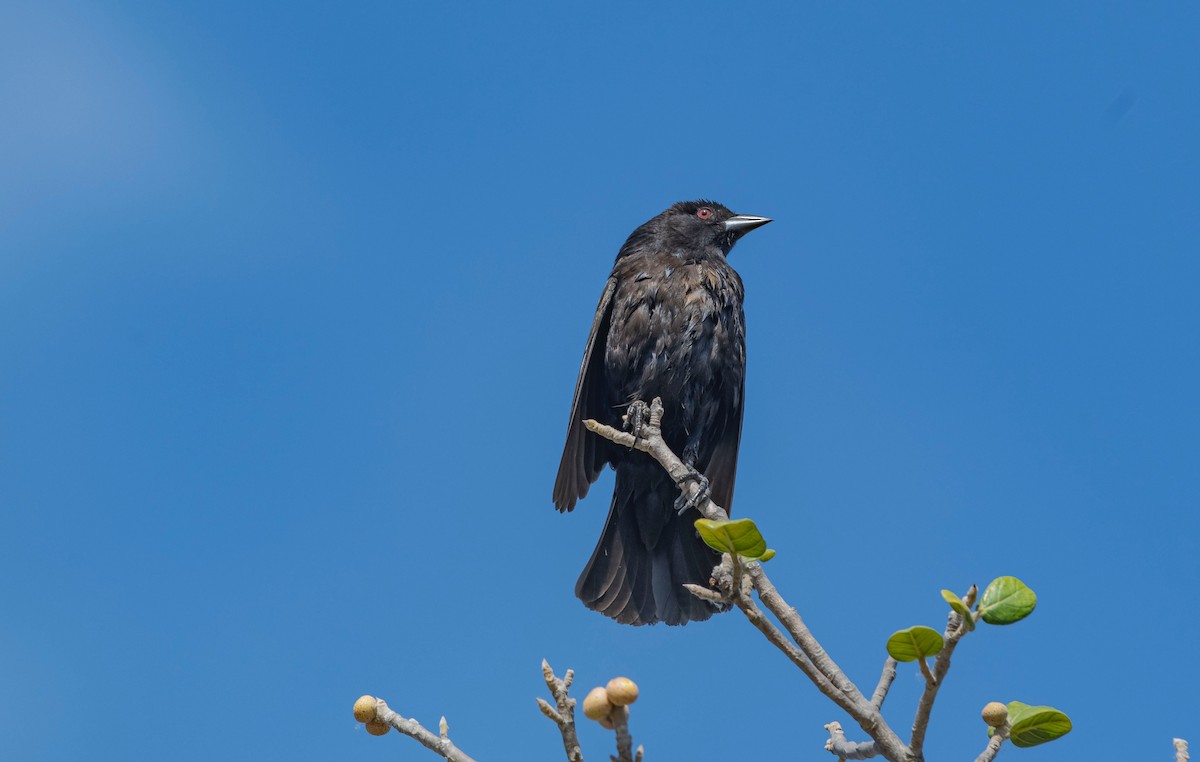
670	325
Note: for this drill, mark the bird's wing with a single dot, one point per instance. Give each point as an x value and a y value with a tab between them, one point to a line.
586	453
722	466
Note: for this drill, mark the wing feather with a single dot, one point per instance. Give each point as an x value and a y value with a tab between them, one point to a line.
584	454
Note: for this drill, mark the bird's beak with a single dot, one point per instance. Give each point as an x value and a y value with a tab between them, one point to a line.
744	223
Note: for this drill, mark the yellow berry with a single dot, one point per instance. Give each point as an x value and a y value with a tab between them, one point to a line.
597	706
364	708
622	691
377	728
995	714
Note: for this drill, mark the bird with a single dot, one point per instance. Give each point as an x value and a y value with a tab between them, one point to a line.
670	324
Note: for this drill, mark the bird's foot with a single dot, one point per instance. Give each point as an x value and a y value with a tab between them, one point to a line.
636	417
683	503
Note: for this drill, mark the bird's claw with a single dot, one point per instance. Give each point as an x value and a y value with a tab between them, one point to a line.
683	503
636	417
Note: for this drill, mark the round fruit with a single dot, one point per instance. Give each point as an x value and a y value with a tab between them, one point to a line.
364	708
622	691
597	706
995	714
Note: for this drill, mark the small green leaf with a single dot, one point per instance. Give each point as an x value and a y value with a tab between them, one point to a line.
960	608
739	537
1006	600
914	643
1033	725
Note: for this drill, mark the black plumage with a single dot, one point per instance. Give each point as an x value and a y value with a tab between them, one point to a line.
670	324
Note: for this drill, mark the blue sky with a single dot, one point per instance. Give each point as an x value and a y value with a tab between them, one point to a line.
292	300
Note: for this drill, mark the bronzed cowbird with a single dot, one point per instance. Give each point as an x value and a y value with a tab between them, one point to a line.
670	325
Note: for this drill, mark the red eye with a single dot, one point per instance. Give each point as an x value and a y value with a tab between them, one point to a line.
704	213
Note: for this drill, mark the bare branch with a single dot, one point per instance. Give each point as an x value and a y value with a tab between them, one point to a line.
844	692
994	744
1181	750
549	711
844	749
955	630
703	593
564	715
651	442
439	744
885	683
620	721
780	641
791	620
925	670
725	578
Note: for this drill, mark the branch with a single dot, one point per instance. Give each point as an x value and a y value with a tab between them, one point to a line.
845	694
885	683
811	658
620	721
650	441
703	593
844	749
790	618
955	629
439	744
993	747
564	715
1181	750
724	578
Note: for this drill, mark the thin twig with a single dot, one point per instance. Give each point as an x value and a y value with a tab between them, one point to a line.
439	744
994	743
564	715
549	711
925	670
844	749
620	721
955	630
885	683
704	594
773	634
845	693
1181	750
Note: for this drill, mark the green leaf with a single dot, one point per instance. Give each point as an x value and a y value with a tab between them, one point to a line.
1033	725
1006	600
914	643
960	608
738	537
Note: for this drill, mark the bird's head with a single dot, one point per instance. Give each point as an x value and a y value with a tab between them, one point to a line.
702	225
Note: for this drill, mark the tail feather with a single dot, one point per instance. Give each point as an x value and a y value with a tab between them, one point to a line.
645	555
